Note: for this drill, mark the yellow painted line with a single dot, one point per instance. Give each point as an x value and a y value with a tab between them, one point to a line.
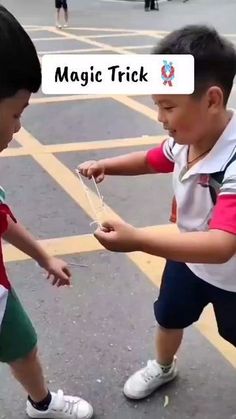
207	326
36	29
89	41
26	27
84	146
233	35
105	144
71	98
56	247
50	38
141	32
127	30
138	47
136	106
73	51
114	35
15	152
25	139
70	245
62	175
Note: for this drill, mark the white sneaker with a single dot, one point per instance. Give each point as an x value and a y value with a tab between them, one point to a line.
62	407
58	25
65	25
145	381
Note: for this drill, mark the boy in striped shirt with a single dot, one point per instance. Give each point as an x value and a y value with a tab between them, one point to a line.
200	152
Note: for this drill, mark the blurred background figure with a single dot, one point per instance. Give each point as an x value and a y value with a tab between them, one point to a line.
61	4
151	5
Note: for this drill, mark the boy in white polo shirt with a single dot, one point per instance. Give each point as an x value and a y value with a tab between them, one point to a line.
200	151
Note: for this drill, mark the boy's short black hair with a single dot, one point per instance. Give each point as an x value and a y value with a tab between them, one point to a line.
19	63
215	56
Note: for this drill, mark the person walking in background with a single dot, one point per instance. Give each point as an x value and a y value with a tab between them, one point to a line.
61	4
150	5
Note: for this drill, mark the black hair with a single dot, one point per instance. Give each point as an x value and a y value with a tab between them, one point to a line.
214	56
19	64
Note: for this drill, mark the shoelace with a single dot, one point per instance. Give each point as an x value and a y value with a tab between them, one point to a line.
70	407
149	372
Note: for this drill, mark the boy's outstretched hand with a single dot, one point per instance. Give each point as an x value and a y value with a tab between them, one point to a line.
57	270
118	236
92	168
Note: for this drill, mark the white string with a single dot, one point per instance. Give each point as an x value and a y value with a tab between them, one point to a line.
77	264
88	195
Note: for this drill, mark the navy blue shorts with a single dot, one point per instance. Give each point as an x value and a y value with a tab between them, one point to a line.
183	297
61	3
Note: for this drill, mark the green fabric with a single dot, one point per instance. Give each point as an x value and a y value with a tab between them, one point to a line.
17	335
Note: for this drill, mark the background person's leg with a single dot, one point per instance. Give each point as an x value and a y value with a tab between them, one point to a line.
65	8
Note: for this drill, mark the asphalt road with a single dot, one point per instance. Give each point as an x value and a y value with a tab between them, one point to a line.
94	335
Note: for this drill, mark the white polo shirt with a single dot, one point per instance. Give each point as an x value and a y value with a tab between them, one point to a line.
195	209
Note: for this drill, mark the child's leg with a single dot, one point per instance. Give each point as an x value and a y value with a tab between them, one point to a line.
58	9
181	300
167	344
154	5
224	303
28	372
18	342
146	4
65	8
58	24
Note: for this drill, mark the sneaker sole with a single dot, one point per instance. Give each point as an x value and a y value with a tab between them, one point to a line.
144	395
37	416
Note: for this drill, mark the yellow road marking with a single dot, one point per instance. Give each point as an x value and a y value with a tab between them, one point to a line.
137	106
89	41
33	28
51	38
38	29
71	98
73	51
139	47
56	247
84	146
141	32
61	174
112	35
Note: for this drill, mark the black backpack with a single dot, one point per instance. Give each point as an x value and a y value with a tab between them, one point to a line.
216	180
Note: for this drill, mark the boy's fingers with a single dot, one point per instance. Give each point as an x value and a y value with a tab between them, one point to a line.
54	281
99	178
108	226
67	272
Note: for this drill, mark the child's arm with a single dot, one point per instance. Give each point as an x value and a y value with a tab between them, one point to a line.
214	246
132	164
19	237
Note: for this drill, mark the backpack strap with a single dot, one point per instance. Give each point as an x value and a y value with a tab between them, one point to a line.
216	180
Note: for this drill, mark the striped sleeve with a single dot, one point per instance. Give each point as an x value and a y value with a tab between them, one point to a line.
224	213
161	158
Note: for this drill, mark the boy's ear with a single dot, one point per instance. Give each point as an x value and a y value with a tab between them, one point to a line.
215	97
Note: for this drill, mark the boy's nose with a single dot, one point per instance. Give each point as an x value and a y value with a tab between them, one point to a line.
161	117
